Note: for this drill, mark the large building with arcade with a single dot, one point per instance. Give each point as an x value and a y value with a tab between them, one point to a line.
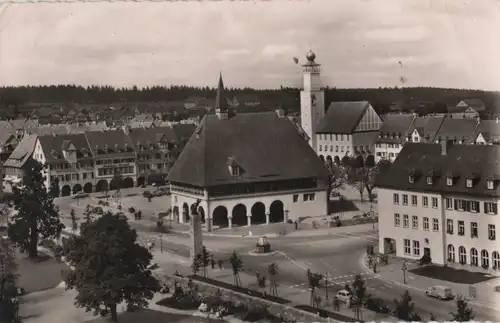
245	169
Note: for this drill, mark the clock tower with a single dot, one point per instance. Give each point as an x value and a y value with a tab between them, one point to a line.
312	99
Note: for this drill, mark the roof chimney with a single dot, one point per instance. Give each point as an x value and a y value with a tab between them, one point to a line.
445	146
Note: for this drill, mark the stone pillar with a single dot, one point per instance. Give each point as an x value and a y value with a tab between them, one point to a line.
285	216
209	224
249	220
230	222
267	217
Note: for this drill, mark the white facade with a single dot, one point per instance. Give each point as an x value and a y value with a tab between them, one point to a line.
453	228
333	146
295	204
387	151
312	102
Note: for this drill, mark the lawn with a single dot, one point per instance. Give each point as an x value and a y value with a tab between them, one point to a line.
452	275
152	316
39	274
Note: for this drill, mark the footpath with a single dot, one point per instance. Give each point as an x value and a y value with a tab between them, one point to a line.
485	297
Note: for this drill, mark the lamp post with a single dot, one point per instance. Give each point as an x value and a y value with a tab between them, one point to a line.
404	268
161	242
326	285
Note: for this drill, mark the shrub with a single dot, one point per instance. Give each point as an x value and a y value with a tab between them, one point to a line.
131	210
147	194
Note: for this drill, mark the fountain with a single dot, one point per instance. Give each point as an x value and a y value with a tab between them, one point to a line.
263	246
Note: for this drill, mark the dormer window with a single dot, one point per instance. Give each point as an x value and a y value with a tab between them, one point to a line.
429	180
490	185
411	179
449	181
468	182
235	170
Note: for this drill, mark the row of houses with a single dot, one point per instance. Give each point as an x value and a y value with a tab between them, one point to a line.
89	160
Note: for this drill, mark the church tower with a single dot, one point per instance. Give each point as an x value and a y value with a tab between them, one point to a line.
312	98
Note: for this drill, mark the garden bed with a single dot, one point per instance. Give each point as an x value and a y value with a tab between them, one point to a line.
329	314
241	290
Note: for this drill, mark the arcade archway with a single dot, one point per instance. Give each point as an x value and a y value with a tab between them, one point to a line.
77	188
220	217
101	186
276	212
128	182
239	215
258	212
66	190
87	188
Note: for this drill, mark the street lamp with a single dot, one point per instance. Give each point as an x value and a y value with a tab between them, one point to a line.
404	268
326	285
161	242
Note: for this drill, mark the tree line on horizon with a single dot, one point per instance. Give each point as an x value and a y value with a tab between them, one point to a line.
381	98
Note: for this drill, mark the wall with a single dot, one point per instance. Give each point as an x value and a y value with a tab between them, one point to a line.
386	210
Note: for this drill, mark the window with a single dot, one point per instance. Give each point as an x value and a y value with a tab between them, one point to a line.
425	201
449	203
407	247
235	170
416	248
429	180
320	148
295	198
411	179
474	206
309	197
413	200
451	253
461	228
462	255
489	185
473	229
473	257
435	202
485	259
406	221
414	222
460	205
397	220
435	224
490	208
405	199
469	183
496	259
449	181
491	232
426	223
395	198
449	226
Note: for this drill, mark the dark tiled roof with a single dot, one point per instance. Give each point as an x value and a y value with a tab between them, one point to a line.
490	130
22	152
183	131
53	146
116	142
397	124
428	126
264	145
151	136
480	162
342	117
457	129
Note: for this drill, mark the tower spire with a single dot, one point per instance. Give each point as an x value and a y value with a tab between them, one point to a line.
220	99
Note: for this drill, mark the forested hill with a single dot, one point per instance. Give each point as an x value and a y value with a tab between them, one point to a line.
381	98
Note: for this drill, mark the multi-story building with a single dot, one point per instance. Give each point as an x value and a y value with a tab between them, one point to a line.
69	162
348	129
242	176
393	134
18	161
114	155
156	150
442	200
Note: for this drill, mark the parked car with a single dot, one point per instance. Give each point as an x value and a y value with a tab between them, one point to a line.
80	195
439	292
377	305
343	295
122	215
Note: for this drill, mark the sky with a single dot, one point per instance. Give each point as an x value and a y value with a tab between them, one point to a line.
359	43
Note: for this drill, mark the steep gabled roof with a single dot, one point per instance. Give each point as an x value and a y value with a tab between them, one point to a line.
397	124
22	152
490	130
457	129
342	117
54	145
428	126
264	145
116	141
478	162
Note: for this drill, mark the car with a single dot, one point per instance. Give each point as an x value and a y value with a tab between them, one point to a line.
80	195
343	295
377	305
440	292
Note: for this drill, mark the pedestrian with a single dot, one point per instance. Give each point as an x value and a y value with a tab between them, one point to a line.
296	225
374	267
220	262
212	261
336	304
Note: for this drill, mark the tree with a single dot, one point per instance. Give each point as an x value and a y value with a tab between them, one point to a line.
205	260
54	188
337	177
369	180
313	280
8	265
273	271
35	215
110	267
236	265
404	308
196	264
464	313
74	220
116	183
360	294
357	180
